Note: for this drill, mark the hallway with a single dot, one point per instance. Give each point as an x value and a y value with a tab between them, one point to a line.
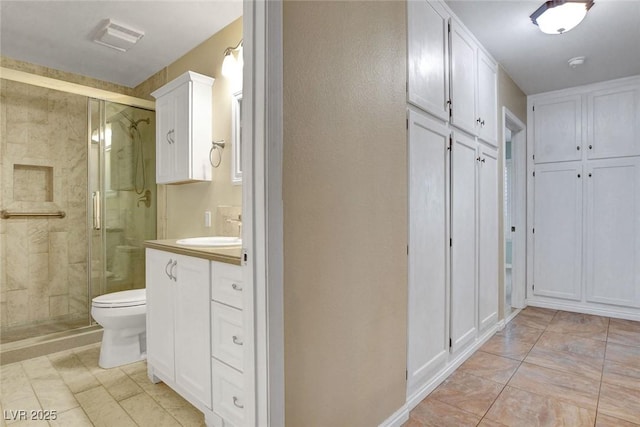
546	368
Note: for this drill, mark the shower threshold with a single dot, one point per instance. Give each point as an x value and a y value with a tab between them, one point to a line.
17	351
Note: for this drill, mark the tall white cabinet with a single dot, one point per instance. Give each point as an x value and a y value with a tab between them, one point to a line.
453	195
584	238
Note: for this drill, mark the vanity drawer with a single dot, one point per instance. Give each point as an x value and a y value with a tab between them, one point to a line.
226	284
227	337
228	395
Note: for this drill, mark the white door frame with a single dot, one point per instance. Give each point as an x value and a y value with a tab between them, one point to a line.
262	211
519	213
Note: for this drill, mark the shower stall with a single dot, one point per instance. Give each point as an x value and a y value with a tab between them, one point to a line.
78	199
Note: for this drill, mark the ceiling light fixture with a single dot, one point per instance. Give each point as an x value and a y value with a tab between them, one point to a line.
560	16
230	65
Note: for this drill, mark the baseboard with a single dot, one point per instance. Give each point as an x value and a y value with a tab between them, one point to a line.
402	414
581	308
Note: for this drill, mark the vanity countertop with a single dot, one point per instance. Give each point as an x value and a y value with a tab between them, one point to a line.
229	254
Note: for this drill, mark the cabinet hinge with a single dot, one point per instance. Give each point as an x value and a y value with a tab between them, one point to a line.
534	108
534	231
406	375
534	157
450	242
450	343
407	123
534	173
450	142
407	87
533	287
407	249
449	26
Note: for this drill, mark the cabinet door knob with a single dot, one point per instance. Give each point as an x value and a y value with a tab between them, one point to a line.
236	402
479	121
590	147
482	123
578	175
236	287
578	148
482	160
478	159
166	267
237	341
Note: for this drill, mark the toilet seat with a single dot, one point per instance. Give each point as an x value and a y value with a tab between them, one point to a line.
132	298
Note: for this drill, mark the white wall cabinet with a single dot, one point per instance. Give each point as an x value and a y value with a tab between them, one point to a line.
178	332
428	57
184	129
613	232
584	241
487	99
428	335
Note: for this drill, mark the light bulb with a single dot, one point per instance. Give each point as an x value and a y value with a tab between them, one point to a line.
228	65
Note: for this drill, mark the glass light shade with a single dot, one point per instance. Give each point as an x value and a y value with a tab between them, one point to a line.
561	18
228	65
240	58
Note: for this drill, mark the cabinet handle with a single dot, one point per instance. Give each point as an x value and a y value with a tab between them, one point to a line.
236	287
174	275
483	160
237	340
578	148
167	267
578	175
479	121
590	147
482	123
170	138
478	159
235	402
589	175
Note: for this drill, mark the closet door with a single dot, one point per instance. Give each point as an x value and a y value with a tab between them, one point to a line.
428	249
487	238
557	129
614	123
557	238
613	232
463	78
463	244
428	53
487	99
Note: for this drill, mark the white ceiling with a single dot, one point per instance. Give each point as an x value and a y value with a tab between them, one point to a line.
58	34
609	37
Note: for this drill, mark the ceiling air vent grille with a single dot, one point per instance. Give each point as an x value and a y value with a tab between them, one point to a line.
117	36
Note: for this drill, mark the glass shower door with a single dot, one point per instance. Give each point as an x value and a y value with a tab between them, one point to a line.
122	194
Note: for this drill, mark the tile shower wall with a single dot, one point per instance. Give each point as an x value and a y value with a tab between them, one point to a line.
43	156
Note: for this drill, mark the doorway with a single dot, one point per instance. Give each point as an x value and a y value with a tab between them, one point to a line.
514	202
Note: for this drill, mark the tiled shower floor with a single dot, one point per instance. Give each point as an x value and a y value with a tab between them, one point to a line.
83	394
546	368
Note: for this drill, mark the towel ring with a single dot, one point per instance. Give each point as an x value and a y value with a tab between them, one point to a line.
217	146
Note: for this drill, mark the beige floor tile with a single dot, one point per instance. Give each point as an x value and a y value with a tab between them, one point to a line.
489	423
534	317
14	385
103	410
467	392
187	416
523	409
71	418
606	421
14	408
620	402
623	354
54	394
117	383
431	412
514	342
580	325
89	356
625	332
134	368
147	413
574	389
40	367
623	375
490	366
74	373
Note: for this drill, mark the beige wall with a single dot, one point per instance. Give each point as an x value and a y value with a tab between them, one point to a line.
345	212
512	97
181	207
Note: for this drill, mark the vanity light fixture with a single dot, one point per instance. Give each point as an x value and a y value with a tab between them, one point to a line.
560	16
229	64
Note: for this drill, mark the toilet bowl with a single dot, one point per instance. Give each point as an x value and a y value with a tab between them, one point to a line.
123	318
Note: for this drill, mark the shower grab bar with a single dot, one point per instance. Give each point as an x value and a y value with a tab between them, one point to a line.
6	214
96	211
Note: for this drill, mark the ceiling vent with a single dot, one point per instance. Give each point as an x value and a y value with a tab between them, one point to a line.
117	36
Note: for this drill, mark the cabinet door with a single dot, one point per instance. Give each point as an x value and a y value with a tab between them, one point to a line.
487	99
160	329
428	247
557	131
463	235
487	238
183	163
614	123
192	326
613	232
166	158
463	78
557	239
428	54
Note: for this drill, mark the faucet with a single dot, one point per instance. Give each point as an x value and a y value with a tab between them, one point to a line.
237	221
146	199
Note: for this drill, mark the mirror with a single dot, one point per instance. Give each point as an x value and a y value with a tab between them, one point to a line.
236	138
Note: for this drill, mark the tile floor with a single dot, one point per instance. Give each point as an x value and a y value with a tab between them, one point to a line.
546	368
71	383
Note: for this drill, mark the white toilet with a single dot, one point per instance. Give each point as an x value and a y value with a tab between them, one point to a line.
123	317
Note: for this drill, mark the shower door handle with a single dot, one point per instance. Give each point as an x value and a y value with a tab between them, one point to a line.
96	210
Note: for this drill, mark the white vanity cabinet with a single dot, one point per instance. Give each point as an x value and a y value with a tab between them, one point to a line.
178	334
184	129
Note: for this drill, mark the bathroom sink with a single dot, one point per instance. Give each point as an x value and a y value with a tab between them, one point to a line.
211	241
